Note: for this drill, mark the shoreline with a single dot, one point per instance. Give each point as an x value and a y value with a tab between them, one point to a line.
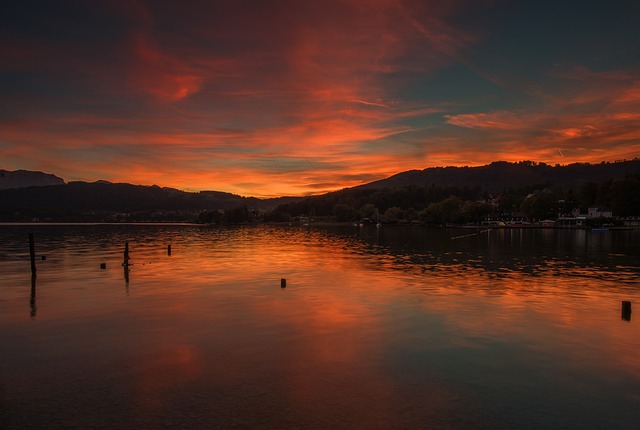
317	224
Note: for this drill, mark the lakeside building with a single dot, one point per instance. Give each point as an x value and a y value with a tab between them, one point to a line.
630	221
597	212
579	220
573	219
506	219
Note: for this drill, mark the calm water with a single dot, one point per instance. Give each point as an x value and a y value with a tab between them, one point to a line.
397	328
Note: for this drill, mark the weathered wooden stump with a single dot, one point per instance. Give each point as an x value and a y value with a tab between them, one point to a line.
126	253
32	298
32	254
626	310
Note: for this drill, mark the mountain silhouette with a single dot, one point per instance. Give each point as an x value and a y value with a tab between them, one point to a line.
500	175
122	197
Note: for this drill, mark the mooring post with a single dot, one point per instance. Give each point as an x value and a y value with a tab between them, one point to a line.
125	265
32	253
169	250
626	310
32	298
126	254
283	283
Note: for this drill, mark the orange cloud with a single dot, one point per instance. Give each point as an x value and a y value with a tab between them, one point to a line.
568	123
293	98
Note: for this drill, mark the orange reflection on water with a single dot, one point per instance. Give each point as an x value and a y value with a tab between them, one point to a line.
157	374
564	316
364	335
324	334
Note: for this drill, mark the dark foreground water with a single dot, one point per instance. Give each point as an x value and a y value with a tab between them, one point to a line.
390	329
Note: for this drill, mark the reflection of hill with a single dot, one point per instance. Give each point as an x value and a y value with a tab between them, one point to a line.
502	253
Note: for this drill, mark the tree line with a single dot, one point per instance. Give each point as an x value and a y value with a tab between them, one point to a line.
427	204
444	204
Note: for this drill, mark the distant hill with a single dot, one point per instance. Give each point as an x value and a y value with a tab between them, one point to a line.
25	178
500	175
38	193
106	196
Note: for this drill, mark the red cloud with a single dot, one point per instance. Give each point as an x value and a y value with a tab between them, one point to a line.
161	74
289	97
592	121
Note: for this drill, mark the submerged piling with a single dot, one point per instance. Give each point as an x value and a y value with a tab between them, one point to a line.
125	265
169	250
32	253
626	311
32	298
283	283
126	254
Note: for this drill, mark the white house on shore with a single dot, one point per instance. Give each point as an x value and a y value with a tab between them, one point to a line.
576	219
597	212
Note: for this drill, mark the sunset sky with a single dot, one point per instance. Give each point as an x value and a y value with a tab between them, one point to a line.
294	97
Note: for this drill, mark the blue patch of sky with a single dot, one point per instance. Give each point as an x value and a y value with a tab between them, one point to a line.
67	22
457	89
25	84
540	34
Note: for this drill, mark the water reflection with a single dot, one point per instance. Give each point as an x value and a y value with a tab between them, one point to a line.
376	328
125	267
516	251
32	298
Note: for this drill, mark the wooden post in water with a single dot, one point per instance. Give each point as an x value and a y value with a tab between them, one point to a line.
283	283
125	265
32	253
169	250
32	298
626	310
126	254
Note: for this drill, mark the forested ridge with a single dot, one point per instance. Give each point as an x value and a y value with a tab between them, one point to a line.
560	190
460	195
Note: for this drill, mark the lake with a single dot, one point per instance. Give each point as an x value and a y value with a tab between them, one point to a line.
390	328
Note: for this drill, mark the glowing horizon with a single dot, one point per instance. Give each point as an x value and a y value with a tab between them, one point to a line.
278	98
